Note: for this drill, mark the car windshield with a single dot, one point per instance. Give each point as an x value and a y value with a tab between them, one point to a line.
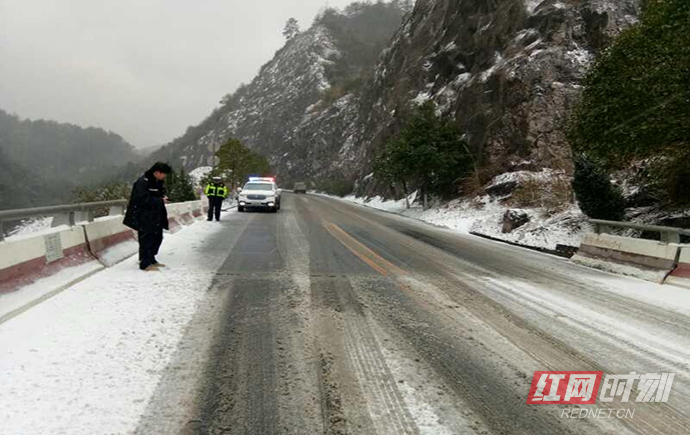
258	186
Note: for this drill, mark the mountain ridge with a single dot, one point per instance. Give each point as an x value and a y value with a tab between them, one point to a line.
508	71
43	161
278	112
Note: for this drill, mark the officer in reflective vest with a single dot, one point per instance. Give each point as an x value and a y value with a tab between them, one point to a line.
216	192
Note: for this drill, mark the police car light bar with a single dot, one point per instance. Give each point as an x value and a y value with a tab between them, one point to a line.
262	179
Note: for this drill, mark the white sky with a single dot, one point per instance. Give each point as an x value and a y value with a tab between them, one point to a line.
145	69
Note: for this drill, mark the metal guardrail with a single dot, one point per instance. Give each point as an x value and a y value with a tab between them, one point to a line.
668	234
63	214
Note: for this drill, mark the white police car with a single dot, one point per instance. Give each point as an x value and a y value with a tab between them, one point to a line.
259	193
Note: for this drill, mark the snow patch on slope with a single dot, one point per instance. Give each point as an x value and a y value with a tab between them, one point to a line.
30	227
532	5
483	215
199	174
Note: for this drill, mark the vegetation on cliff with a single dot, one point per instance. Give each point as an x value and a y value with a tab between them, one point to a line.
636	102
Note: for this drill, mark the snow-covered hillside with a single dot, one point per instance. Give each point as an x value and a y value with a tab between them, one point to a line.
299	110
507	71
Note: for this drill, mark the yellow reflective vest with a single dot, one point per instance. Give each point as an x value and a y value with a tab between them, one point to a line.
216	190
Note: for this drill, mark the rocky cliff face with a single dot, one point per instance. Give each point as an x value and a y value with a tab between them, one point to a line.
265	113
301	108
507	70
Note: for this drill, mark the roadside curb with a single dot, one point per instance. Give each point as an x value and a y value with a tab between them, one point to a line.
567	251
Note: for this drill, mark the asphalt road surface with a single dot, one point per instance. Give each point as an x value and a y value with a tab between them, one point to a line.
331	318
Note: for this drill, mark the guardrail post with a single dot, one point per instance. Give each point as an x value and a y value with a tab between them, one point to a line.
2	231
117	210
82	216
602	229
64	214
63	219
668	237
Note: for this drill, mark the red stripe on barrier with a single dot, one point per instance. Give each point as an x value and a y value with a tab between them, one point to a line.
173	225
622	257
187	218
682	271
28	272
104	243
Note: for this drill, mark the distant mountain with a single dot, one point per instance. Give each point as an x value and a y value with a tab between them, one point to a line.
64	151
20	188
16	186
147	151
41	162
299	109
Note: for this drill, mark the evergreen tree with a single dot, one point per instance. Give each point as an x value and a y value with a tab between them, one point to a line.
238	162
291	29
635	103
598	197
111	191
404	5
180	187
429	152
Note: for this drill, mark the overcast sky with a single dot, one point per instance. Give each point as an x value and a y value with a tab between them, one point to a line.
145	69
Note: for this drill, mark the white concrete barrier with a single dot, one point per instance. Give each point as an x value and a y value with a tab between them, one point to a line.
110	241
27	259
646	259
681	274
24	260
197	210
175	217
55	253
186	213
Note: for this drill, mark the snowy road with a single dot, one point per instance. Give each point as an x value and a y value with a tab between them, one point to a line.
331	318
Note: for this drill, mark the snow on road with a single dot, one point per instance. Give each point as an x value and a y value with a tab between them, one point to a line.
43	288
88	360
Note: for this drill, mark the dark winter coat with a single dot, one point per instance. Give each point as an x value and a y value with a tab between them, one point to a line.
146	211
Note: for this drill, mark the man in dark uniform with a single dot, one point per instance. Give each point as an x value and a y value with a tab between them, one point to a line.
146	214
216	192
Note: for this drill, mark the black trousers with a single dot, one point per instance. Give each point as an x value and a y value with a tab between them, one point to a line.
214	205
149	244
